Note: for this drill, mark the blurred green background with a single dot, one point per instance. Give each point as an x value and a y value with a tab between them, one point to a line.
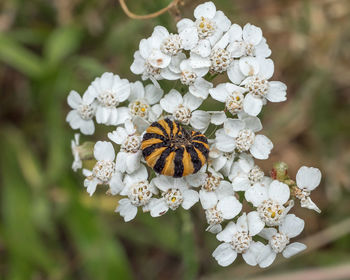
51	229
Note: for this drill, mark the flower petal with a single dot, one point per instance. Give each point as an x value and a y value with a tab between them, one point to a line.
256	194
279	192
308	178
224	254
104	150
293	249
292	226
261	147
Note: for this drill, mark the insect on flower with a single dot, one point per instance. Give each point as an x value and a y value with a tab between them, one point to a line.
172	150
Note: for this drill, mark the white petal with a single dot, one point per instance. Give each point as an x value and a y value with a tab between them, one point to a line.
203	49
224	190
158	207
256	194
138	66
230	207
293	249
190	198
184	24
240	183
191	102
249	66
163	183
253	252
252	34
133	162
116	183
222	21
171	101
87	127
255	224
267	233
126	209
279	192
158	59
208	199
277	92
227	234
224	254
118	136
308	178
234	73
198	61
233	126
219	93
214	228
266	257
102	114
261	147
189	37
153	94
139	175
252	123
218	118
196	180
90	185
206	10
292	226
200	88
224	142
104	151
266	67
200	120
252	105
309	204
74	99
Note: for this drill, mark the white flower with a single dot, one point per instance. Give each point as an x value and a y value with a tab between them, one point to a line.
247	42
143	102
139	192
237	239
129	156
175	192
81	115
109	91
77	163
208	28
183	109
155	54
279	240
246	173
240	134
229	94
270	201
104	172
253	74
307	179
218	200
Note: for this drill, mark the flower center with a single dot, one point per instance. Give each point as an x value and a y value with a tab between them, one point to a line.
234	102
140	193
86	111
173	198
131	144
183	114
151	70
244	140
257	86
249	49
139	108
278	242
171	45
188	77
213	216
211	182
271	212
220	60
255	174
108	99
241	241
103	170
205	27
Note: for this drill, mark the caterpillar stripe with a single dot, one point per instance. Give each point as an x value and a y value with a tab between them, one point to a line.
171	150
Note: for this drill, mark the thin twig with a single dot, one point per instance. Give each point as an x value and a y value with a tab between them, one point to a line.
130	14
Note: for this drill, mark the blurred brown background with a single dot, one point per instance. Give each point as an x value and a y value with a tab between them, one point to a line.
51	229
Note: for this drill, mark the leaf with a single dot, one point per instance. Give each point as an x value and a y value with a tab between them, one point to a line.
20	58
62	43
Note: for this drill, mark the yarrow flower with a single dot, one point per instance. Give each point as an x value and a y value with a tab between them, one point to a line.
194	138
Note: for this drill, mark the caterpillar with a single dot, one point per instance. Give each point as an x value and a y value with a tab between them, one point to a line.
172	150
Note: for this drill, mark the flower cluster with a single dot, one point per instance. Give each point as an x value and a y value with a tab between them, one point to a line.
203	48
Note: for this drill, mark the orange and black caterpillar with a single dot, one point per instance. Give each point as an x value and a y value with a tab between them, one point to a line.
171	150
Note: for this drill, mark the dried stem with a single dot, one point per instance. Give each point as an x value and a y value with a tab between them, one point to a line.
130	14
